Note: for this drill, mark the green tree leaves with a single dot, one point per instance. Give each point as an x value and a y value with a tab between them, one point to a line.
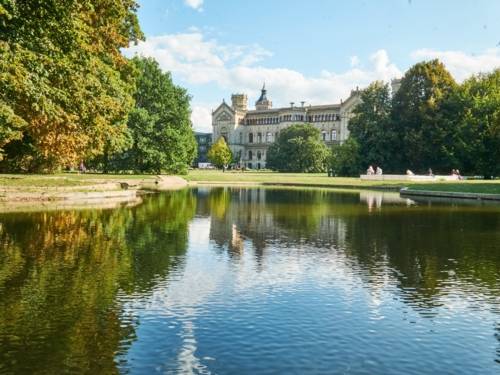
298	149
220	154
63	80
163	139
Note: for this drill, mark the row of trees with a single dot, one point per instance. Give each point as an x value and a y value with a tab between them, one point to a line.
430	122
68	95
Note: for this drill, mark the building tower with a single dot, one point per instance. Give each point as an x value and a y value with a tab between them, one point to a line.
239	102
263	102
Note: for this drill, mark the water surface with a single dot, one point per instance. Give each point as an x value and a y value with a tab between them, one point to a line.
236	280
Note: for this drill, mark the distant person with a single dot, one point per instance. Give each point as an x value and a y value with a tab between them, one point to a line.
430	172
82	167
370	171
379	171
409	173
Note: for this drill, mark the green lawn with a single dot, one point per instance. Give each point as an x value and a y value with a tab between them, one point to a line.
321	179
62	180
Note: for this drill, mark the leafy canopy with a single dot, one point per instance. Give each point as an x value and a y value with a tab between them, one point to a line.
220	154
298	149
66	90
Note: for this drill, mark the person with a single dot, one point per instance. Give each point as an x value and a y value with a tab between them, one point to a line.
379	171
409	173
83	169
430	172
370	171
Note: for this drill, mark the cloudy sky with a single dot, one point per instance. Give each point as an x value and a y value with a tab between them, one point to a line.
315	50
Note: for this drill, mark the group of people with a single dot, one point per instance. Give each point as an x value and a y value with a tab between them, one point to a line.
371	171
378	171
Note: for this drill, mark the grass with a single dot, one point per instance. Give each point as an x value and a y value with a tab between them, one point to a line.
322	180
30	181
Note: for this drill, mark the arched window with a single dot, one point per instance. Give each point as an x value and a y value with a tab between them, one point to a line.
250	137
259	155
323	135
259	137
250	155
241	138
334	135
269	137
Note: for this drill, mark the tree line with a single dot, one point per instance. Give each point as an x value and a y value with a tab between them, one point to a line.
430	122
68	96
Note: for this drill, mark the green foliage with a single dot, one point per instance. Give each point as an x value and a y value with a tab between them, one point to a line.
417	123
160	124
298	149
476	122
370	127
220	154
346	160
66	90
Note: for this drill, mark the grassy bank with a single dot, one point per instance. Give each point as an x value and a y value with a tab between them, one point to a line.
306	179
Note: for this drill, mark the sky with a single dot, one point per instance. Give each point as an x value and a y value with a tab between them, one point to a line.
316	50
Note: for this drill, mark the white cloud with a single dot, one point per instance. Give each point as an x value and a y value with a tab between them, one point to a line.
195	4
354	61
201	117
234	68
462	65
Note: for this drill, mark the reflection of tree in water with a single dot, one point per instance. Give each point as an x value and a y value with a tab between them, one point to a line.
60	273
421	248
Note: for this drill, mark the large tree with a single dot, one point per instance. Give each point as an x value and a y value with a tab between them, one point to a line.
346	160
370	127
421	135
65	88
163	138
475	116
298	149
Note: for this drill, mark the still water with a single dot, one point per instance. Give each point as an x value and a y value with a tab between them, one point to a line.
252	281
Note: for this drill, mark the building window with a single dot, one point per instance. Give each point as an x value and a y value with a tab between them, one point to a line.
259	137
334	135
269	137
250	155
249	165
241	138
323	135
250	137
276	136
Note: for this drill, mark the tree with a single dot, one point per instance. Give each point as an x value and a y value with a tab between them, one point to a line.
370	127
346	160
220	154
298	149
160	124
422	137
476	122
66	90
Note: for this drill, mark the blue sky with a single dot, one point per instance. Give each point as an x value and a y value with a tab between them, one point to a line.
316	50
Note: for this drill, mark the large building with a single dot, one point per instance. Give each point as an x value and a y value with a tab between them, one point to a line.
249	133
204	142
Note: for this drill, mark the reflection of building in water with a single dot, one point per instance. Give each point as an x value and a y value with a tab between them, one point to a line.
239	215
375	199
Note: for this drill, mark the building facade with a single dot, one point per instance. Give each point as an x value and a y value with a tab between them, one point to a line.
249	133
204	142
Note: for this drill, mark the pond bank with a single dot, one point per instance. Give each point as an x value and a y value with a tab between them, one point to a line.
82	190
408	192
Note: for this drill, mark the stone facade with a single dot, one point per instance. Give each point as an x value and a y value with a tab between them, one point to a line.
249	133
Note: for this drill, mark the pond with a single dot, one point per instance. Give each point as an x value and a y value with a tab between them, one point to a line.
253	281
